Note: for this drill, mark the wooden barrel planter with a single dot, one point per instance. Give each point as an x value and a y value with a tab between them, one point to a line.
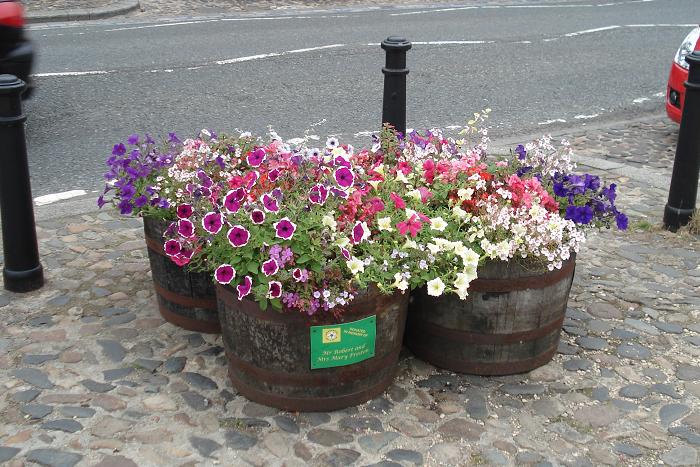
186	299
269	352
510	322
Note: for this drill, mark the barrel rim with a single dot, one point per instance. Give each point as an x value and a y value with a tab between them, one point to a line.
540	281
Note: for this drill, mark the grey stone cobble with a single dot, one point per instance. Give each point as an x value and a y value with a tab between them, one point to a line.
110	383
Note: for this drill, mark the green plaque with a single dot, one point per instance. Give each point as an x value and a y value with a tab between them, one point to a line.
343	344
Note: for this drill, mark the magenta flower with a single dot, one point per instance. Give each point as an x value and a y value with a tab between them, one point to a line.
270	203
270	267
252	178
256	157
300	275
273	175
212	222
344	177
318	194
360	232
224	274
172	247
274	289
180	260
185	228
257	216
231	203
238	236
245	287
339	193
184	211
345	252
284	229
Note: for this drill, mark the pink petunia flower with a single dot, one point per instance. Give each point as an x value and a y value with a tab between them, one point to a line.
270	203
274	289
412	226
273	175
224	274
300	275
345	253
398	202
252	179
425	194
284	228
238	236
344	177
212	222
270	267
256	157
245	287
172	247
257	216
185	228
184	211
180	260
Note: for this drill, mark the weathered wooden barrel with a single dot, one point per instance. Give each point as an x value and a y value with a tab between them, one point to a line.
510	322
269	352
185	298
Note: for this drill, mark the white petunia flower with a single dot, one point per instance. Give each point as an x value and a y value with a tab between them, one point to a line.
436	287
328	221
384	223
355	266
438	223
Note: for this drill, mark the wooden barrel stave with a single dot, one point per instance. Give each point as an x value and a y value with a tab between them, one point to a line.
496	331
185	298
269	353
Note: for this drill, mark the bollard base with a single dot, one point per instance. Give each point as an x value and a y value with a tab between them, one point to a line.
23	281
675	218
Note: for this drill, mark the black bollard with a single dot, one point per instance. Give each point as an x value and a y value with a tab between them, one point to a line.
395	71
22	271
686	165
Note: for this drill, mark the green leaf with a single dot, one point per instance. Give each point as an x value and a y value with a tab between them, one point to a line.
263	304
303	259
276	303
252	267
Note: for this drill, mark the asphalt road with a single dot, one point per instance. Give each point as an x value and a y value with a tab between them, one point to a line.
540	69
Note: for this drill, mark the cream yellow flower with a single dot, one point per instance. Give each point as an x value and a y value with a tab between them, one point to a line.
355	266
384	223
328	221
400	283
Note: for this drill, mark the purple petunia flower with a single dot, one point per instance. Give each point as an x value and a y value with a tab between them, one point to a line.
360	232
344	177
284	228
212	222
238	236
300	275
339	193
133	140
318	194
224	274
270	203
125	207
185	228
274	289
184	211
231	204
270	267
119	149
256	157
621	221
345	252
101	201
172	247
141	201
579	214
273	175
245	287
521	152
257	216
172	138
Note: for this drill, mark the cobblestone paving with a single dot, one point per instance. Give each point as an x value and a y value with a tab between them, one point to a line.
93	376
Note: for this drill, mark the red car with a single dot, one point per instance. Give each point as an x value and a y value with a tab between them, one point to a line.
675	93
16	51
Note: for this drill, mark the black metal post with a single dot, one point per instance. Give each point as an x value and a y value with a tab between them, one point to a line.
395	71
686	166
22	271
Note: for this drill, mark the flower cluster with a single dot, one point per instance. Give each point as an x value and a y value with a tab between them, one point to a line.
304	228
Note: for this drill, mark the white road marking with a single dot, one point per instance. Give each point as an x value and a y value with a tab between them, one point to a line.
52	198
487	7
590	31
276	54
586	117
73	73
451	42
660	94
639	100
161	25
549	122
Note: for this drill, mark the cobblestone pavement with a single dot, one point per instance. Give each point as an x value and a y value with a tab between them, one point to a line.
93	376
152	8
